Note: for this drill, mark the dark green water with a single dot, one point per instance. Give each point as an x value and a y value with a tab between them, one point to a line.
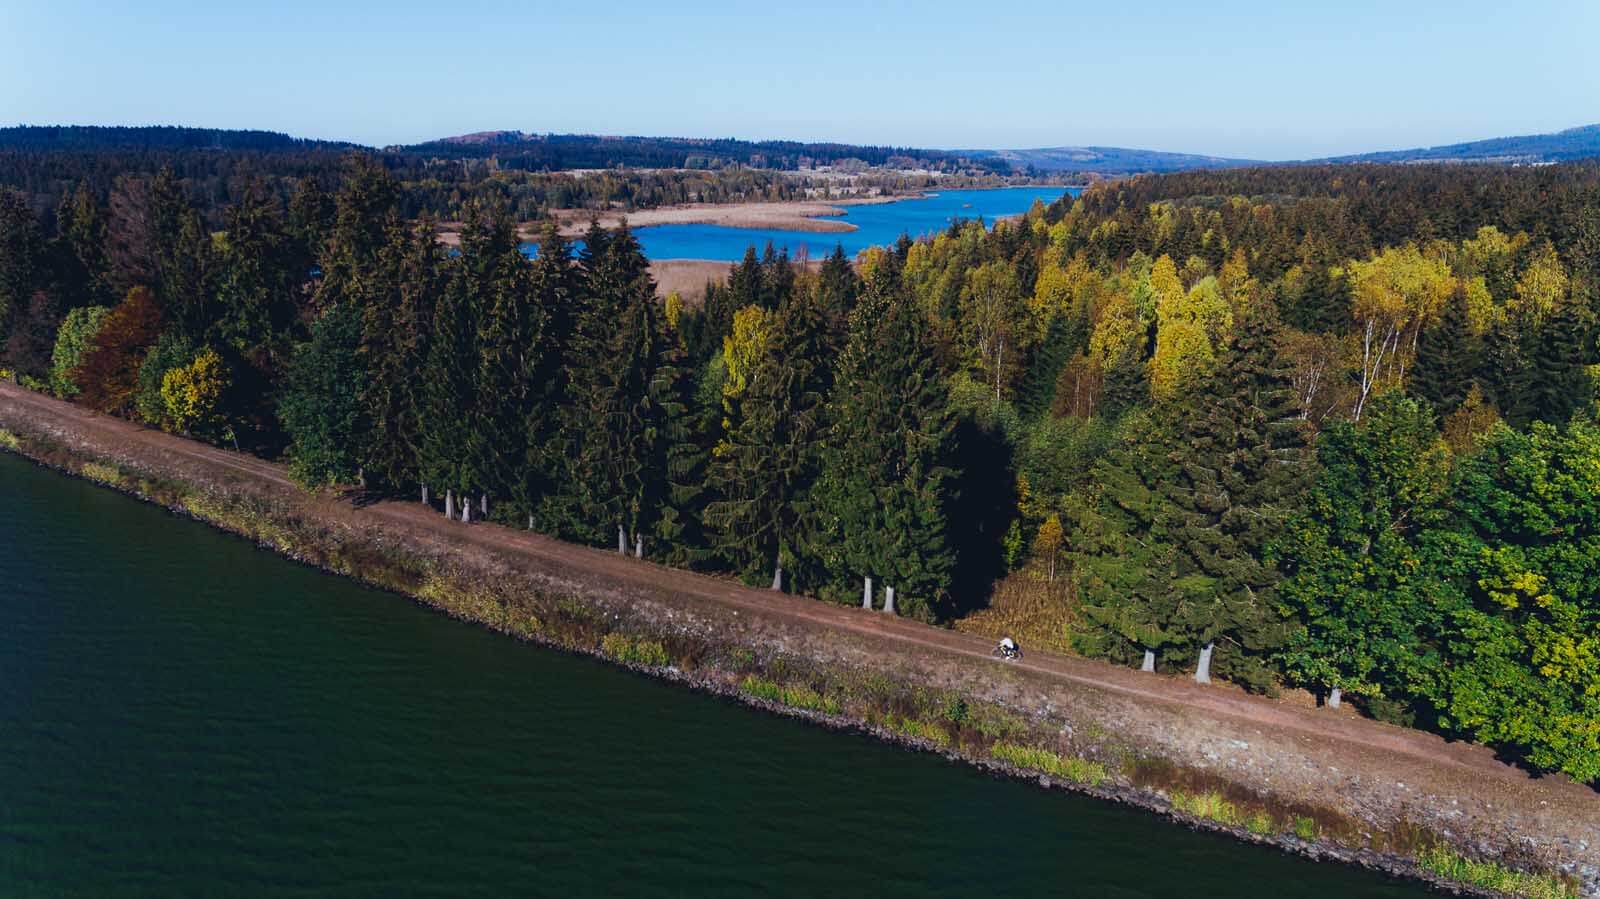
182	714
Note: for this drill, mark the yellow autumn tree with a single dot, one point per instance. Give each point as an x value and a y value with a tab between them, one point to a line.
1117	329
1181	361
1481	310
191	393
1189	326
1393	296
1068	290
672	309
1542	287
743	349
1047	544
1164	282
994	324
1235	283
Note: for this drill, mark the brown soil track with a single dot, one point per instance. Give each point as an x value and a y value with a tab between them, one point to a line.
540	550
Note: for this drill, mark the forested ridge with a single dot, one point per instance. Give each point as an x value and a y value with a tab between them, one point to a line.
529	176
1324	426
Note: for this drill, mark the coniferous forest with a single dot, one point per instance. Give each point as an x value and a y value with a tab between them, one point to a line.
1324	427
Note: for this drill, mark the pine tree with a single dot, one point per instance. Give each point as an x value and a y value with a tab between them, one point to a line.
884	480
1447	356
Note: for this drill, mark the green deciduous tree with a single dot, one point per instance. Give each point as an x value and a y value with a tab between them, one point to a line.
73	339
1522	668
1365	603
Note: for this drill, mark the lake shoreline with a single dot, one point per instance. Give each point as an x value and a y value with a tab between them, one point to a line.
775	655
802	216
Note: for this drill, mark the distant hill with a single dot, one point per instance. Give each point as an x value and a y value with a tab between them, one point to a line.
1532	149
1108	160
555	152
515	149
44	138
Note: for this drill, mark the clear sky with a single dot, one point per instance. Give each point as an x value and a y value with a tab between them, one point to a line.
1258	78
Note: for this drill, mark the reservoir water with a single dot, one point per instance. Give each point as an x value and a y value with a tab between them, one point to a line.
183	714
878	224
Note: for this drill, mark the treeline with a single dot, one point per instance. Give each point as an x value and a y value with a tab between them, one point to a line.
213	180
553	152
1250	439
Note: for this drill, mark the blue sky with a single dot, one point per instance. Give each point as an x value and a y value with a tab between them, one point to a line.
1230	77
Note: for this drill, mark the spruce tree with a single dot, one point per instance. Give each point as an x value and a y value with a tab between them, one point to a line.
763	470
1038	388
1126	384
613	425
884	482
1124	557
692	415
1559	381
1447	356
745	282
1243	466
509	348
837	285
553	284
395	339
449	375
1502	371
81	229
321	407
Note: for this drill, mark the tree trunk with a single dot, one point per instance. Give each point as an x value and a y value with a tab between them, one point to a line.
361	476
888	600
449	504
777	573
466	510
1149	661
424	494
1334	697
638	546
1202	669
866	594
483	504
530	521
622	541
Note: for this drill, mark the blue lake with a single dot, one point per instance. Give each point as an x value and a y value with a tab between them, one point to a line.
877	225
